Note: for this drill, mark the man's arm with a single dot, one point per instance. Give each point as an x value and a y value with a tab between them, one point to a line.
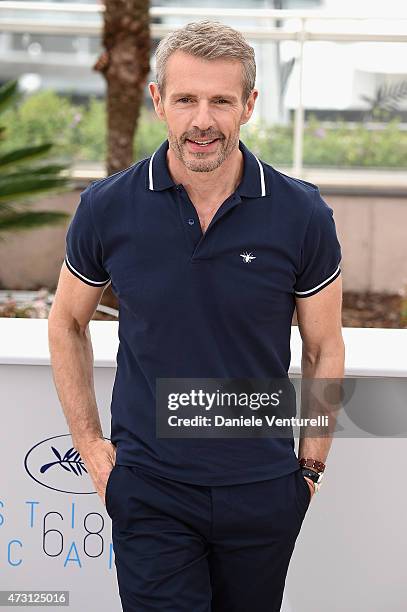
72	365
323	356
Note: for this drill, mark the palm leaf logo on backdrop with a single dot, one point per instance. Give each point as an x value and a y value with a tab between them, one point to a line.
71	461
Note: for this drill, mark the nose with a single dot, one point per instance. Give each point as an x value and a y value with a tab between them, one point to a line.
203	119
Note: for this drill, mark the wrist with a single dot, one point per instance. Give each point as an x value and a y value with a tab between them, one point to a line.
312	464
86	445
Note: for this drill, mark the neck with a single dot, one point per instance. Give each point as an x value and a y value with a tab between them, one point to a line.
208	186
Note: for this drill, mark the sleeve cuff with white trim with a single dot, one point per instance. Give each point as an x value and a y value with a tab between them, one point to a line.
83	248
321	254
320	286
82	277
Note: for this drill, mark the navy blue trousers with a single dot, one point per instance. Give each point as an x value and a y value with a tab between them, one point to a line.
183	547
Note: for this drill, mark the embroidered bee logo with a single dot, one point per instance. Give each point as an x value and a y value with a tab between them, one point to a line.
247	257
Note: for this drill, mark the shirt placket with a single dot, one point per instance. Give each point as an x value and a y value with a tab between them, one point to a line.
199	241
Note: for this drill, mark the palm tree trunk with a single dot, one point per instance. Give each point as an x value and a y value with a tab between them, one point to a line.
125	64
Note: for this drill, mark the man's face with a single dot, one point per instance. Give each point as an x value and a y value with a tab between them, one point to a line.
203	102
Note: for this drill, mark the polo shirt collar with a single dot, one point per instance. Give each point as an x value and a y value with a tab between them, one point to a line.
252	185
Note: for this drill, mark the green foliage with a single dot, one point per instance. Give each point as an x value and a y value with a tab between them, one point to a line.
86	140
338	147
271	143
150	134
359	147
42	117
25	172
79	134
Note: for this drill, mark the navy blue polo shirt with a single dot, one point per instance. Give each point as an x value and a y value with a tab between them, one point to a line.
192	304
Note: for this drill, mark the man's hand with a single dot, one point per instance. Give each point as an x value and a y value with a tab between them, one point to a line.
311	486
99	457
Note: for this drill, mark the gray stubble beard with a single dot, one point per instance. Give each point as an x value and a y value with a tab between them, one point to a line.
199	163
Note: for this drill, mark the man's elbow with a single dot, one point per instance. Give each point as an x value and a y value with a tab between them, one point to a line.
332	349
60	322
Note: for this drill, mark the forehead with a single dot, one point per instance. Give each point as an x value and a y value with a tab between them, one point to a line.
185	71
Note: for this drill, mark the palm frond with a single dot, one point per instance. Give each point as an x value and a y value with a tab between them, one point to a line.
11	189
24	154
44	169
8	94
387	96
21	181
21	221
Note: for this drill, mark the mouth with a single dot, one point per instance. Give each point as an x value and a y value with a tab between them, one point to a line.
202	145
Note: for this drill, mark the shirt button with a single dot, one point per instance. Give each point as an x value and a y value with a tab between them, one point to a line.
191	221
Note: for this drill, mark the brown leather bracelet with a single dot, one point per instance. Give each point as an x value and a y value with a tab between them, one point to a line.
312	463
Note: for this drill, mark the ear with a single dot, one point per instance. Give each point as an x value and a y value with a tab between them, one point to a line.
249	106
157	101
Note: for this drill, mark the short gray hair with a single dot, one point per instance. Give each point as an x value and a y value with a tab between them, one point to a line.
209	40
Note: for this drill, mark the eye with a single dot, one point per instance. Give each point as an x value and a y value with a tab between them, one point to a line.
222	100
183	99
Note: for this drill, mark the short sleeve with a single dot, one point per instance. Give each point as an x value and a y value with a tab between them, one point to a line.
83	254
321	252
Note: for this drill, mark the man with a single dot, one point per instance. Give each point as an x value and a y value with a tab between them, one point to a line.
209	250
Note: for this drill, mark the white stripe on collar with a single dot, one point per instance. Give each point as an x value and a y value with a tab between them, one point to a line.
263	185
150	173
